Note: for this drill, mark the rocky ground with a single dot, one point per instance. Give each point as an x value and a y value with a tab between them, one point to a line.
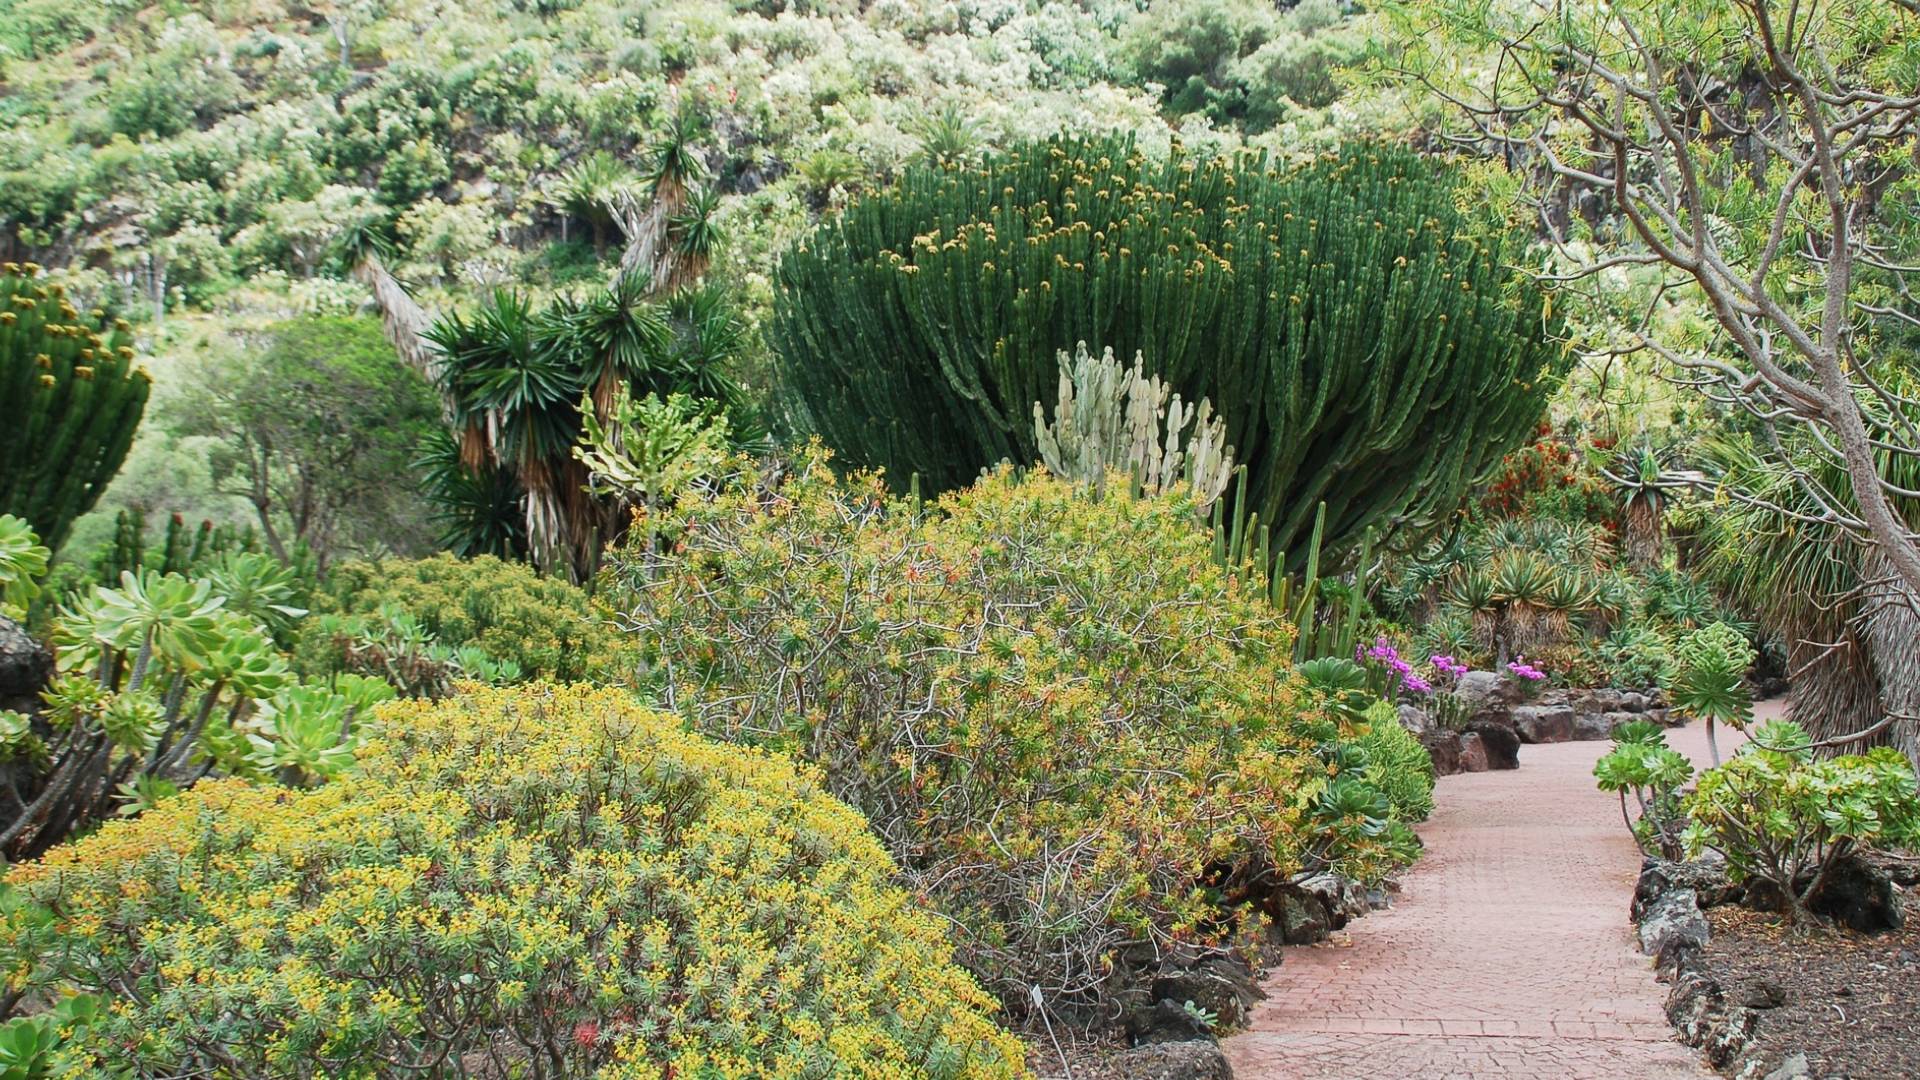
1835	1004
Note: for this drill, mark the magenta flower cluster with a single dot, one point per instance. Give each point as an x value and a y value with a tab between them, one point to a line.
1384	654
1525	670
1447	665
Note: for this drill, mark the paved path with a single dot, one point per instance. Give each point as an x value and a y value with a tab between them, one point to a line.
1509	954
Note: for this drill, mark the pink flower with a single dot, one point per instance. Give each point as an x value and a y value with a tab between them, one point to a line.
1416	684
1526	671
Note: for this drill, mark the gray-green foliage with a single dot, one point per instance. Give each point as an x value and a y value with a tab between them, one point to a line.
1111	418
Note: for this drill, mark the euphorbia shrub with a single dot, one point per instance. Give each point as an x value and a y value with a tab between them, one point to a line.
530	882
543	626
1359	322
1076	731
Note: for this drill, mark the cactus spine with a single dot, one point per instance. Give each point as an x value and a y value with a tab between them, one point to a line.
70	399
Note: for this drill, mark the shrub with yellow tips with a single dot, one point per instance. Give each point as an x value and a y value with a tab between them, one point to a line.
543	881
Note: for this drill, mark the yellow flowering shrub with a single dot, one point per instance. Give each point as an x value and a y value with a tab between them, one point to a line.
533	882
1079	736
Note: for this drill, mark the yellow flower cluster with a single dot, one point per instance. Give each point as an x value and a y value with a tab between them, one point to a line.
550	872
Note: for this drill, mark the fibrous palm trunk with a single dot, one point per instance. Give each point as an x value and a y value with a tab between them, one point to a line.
1890	629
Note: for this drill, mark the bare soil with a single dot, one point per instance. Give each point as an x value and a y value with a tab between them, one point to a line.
1850	1002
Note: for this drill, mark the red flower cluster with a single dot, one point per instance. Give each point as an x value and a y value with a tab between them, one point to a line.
1544	464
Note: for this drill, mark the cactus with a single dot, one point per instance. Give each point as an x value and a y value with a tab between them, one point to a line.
1109	418
178	555
70	399
1366	342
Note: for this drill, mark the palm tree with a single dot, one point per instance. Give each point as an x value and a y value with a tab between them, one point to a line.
519	377
673	168
591	192
1852	663
1640	473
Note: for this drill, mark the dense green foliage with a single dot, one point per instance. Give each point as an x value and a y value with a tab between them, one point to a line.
315	423
70	399
543	627
554	883
1785	817
1397	764
1544	562
1814	584
1331	313
160	682
1073	727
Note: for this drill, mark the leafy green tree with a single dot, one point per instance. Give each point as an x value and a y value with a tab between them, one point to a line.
1756	155
320	426
1339	317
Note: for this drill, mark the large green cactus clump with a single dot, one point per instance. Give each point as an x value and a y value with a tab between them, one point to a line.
1356	321
70	399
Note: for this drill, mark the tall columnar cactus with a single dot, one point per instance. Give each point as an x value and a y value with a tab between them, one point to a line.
1110	417
1363	336
70	398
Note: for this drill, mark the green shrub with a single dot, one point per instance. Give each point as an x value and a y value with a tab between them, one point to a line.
1784	817
543	626
1336	315
1397	765
160	682
1075	730
70	399
1636	655
531	882
1641	764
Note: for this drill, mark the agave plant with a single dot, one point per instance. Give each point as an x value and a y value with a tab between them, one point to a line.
1567	595
1473	591
1449	634
1521	580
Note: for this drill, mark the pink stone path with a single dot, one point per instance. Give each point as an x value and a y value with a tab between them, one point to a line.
1508	954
